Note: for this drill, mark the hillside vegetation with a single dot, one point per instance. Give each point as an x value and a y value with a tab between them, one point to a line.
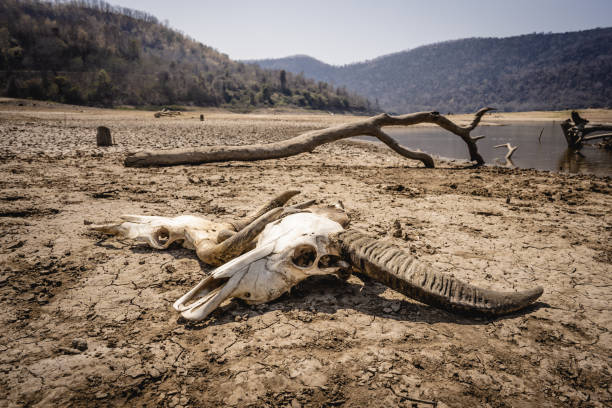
527	72
88	52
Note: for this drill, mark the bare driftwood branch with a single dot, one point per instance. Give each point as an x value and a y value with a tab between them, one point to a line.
511	149
167	112
540	137
600	136
577	128
308	141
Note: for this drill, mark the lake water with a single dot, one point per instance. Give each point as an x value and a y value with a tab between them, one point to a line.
550	153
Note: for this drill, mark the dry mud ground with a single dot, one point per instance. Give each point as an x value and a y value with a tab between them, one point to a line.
87	321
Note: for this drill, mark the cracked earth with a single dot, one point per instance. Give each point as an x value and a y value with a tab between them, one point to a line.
87	321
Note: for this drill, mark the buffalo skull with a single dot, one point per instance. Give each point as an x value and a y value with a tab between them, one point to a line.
281	246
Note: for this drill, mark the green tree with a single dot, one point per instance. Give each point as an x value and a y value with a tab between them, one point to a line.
12	88
34	88
283	81
266	95
104	89
133	50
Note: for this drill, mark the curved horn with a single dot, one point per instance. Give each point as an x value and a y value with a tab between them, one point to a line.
400	271
277	201
239	242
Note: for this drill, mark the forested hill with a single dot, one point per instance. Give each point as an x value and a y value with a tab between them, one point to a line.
89	52
527	72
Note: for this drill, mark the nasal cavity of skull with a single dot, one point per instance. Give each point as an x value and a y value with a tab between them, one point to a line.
328	261
304	256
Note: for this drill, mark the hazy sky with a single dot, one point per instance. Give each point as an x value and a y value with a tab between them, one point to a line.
340	31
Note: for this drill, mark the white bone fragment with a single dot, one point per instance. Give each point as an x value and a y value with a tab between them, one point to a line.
160	232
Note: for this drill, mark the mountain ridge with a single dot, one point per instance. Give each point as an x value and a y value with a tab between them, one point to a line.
526	72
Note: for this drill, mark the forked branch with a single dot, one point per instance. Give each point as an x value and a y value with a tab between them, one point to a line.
511	149
308	141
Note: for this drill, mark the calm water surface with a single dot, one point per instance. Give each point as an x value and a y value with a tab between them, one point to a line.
549	154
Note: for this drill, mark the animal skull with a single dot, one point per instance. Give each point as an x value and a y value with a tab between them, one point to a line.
161	232
215	242
288	251
266	254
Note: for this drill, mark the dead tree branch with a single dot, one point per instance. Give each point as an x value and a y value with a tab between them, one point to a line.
540	137
600	136
308	141
511	149
577	128
167	112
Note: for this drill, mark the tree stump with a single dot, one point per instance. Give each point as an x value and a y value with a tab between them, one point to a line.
103	137
201	118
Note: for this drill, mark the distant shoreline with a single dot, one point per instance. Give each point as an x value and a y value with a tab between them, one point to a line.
494	118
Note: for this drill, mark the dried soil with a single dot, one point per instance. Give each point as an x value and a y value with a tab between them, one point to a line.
87	321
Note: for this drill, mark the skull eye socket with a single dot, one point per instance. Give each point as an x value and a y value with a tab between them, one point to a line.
162	235
304	256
